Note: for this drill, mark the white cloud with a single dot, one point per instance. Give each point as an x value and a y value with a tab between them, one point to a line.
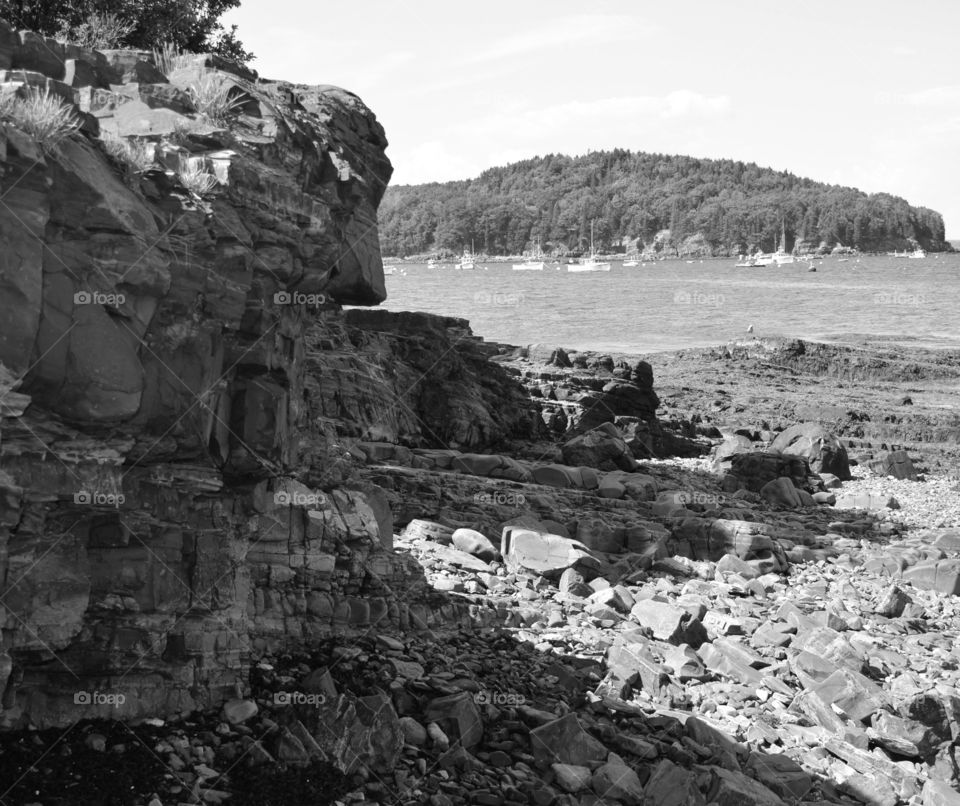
432	161
932	97
565	35
662	123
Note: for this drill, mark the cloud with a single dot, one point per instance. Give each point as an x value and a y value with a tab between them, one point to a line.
932	97
565	34
433	161
616	113
462	148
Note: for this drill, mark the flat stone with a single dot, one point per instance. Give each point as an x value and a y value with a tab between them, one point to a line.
571	778
672	785
236	712
565	741
779	773
617	781
668	622
543	553
733	788
940	793
942	576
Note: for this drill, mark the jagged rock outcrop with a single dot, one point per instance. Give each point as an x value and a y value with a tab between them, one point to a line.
179	382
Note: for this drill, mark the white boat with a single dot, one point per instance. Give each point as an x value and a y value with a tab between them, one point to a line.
782	256
389	270
756	261
591	263
467	261
433	264
533	263
629	264
917	253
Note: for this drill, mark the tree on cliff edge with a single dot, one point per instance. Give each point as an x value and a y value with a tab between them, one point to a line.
189	25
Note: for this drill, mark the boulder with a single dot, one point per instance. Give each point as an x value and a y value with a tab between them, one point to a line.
543	553
724	452
733	788
894	463
602	448
596	535
476	464
780	774
360	731
668	622
617	781
821	449
458	717
756	469
940	793
672	785
475	543
555	475
942	576
564	741
781	493
571	778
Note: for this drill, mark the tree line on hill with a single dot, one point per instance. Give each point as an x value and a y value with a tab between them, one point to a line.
646	202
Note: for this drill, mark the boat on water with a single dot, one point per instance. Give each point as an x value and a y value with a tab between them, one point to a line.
533	263
591	263
467	261
433	264
628	264
916	254
755	261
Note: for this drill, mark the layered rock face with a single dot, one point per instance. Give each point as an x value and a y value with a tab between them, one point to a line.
177	375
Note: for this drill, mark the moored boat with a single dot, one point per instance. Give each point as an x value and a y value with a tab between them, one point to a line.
591	263
532	263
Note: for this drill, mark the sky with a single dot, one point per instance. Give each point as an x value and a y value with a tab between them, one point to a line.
850	92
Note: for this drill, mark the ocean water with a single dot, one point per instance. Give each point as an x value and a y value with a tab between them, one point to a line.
676	304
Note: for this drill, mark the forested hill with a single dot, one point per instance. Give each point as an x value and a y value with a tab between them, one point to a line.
648	202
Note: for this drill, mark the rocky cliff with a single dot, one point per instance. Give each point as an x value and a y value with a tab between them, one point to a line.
178	379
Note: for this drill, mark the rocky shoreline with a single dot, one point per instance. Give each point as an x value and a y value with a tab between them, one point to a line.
680	639
258	550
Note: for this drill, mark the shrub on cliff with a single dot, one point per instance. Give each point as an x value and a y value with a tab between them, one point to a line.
190	26
42	115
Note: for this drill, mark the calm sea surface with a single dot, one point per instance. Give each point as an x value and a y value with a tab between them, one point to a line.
673	304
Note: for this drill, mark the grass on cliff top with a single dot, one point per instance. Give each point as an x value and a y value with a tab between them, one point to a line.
42	115
135	155
168	59
212	99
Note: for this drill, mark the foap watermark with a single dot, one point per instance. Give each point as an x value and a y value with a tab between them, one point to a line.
699	298
500	497
502	698
684	497
899	298
298	698
97	698
299	298
282	498
114	300
504	298
95	498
